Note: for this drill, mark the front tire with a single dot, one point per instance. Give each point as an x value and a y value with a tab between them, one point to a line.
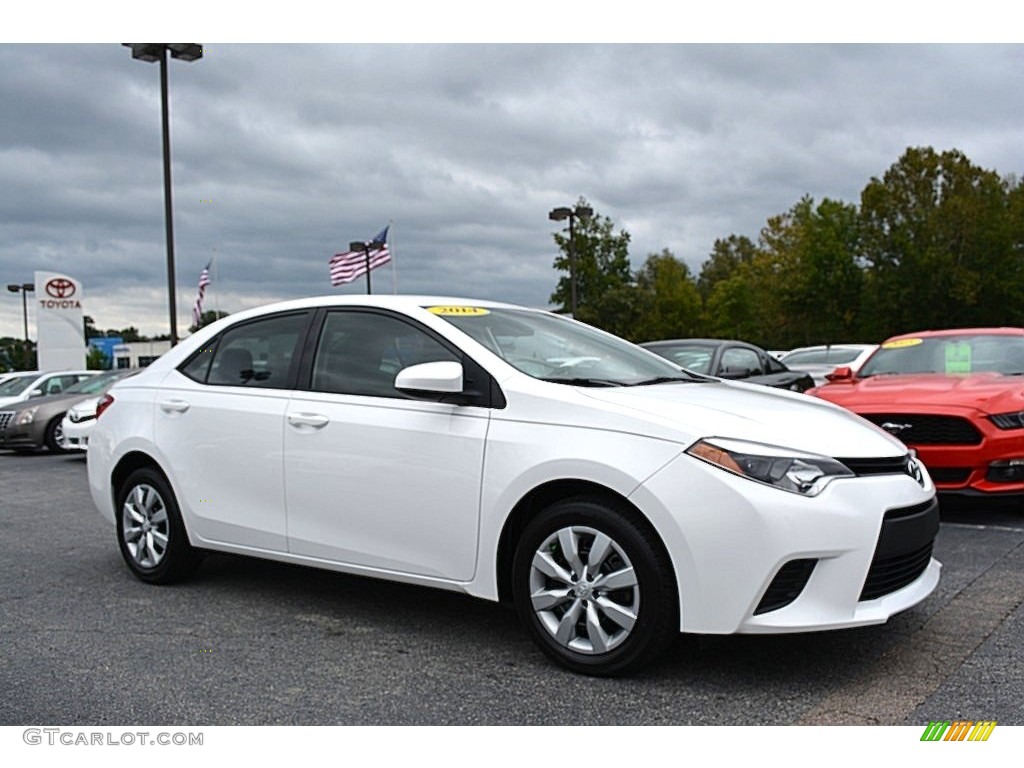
595	588
150	532
55	434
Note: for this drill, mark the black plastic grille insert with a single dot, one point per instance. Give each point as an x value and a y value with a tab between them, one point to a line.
927	429
904	549
787	585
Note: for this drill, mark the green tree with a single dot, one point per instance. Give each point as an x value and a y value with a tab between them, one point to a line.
95	359
813	252
670	301
206	318
91	331
941	244
17	355
726	257
602	266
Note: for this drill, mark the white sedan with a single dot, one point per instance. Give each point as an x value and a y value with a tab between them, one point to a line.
513	454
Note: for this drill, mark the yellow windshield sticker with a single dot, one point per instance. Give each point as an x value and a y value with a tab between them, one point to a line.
459	311
901	343
958	357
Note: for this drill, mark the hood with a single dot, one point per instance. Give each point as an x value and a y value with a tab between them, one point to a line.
759	414
46	401
987	392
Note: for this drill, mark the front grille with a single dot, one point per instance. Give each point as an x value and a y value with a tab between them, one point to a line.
900	465
926	429
5	419
950	475
787	585
904	549
891	573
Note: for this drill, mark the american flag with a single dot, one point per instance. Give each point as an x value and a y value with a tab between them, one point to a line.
204	280
346	267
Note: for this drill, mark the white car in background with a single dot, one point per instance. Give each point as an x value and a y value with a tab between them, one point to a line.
821	360
22	386
81	417
512	454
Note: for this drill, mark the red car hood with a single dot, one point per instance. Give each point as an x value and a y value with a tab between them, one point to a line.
987	392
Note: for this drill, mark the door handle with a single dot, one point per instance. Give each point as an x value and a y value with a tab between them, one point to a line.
315	420
174	406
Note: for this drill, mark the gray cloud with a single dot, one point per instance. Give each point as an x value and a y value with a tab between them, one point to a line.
300	149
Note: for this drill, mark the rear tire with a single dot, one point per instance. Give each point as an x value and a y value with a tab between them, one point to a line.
595	588
54	433
150	531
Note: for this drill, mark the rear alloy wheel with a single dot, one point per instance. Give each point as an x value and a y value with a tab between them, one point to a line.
150	531
594	588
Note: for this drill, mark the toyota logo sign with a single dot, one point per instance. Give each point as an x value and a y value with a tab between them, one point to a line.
60	288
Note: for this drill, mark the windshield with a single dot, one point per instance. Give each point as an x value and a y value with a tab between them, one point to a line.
554	348
951	355
15	385
94	384
694	357
830	356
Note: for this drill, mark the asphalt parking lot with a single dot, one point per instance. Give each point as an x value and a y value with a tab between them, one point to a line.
256	643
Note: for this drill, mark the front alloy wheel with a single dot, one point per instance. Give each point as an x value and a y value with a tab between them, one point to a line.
584	590
595	587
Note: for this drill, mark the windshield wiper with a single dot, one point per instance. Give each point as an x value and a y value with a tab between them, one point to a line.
585	382
667	380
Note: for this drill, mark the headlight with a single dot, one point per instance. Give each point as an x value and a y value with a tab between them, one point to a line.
1013	420
789	470
27	416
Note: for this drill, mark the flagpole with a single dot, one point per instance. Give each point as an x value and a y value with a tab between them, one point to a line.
366	253
216	293
391	250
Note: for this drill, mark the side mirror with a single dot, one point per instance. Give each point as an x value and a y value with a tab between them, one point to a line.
427	379
735	372
843	373
36	393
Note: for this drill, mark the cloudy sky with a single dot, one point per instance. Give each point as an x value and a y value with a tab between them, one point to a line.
285	153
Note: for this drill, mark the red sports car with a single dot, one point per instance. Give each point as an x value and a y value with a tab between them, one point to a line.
956	396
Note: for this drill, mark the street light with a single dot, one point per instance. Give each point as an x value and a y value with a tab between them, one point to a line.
357	246
153	52
583	213
23	289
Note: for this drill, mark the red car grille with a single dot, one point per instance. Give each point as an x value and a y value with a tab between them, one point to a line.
924	429
950	475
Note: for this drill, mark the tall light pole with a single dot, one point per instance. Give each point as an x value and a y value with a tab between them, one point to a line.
158	52
364	248
583	213
23	289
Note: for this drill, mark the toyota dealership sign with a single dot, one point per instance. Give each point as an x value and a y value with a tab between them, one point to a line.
59	320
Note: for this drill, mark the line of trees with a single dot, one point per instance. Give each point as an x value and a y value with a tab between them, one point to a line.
936	242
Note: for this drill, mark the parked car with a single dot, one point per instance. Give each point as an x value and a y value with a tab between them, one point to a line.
822	360
956	397
512	454
37	423
80	418
11	374
25	386
730	359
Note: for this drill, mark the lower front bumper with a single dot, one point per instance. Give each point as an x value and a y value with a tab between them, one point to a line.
729	538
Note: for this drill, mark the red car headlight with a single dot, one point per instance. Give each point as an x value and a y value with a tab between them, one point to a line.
1013	420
